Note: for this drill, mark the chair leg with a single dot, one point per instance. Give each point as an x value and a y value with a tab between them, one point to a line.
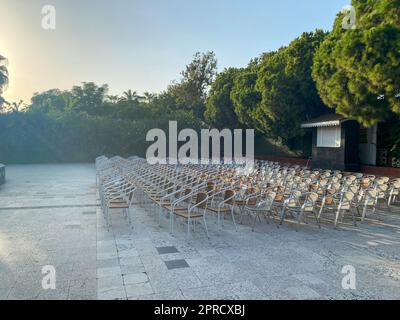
266	216
273	215
364	213
390	198
270	213
375	205
159	215
387	203
254	221
283	215
205	226
128	215
358	210
233	219
108	219
241	214
299	216
320	213
316	219
172	217
337	217
354	217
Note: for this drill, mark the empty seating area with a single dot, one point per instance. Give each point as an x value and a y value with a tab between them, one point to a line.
270	192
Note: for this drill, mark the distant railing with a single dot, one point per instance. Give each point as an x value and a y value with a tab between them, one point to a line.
2	173
292	161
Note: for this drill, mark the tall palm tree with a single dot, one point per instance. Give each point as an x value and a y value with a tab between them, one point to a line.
3	77
113	99
129	96
148	96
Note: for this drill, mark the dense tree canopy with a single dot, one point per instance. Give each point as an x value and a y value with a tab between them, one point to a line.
357	70
245	97
89	97
191	92
220	111
354	71
289	95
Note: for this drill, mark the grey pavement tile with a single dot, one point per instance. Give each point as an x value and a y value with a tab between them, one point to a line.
135	278
201	293
112	294
128	253
131	261
167	249
172	256
112	248
108	263
163	284
151	260
129	269
302	293
175	264
109	271
139	289
245	290
193	262
171	295
109	282
107	255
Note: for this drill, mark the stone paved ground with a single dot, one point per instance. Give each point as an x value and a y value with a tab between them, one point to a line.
48	217
147	262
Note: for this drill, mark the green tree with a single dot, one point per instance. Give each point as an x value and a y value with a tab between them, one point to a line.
3	78
112	99
245	96
130	96
289	95
220	111
89	98
51	100
357	71
148	96
191	92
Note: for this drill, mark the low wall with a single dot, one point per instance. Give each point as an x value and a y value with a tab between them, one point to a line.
381	171
2	173
293	161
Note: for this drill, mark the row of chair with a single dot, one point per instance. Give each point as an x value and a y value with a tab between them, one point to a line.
268	189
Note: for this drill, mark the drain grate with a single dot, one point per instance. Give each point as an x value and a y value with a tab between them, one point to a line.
176	264
166	250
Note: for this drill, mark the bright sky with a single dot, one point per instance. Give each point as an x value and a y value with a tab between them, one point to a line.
143	44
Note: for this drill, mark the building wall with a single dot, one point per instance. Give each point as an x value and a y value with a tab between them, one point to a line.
352	142
328	158
346	157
